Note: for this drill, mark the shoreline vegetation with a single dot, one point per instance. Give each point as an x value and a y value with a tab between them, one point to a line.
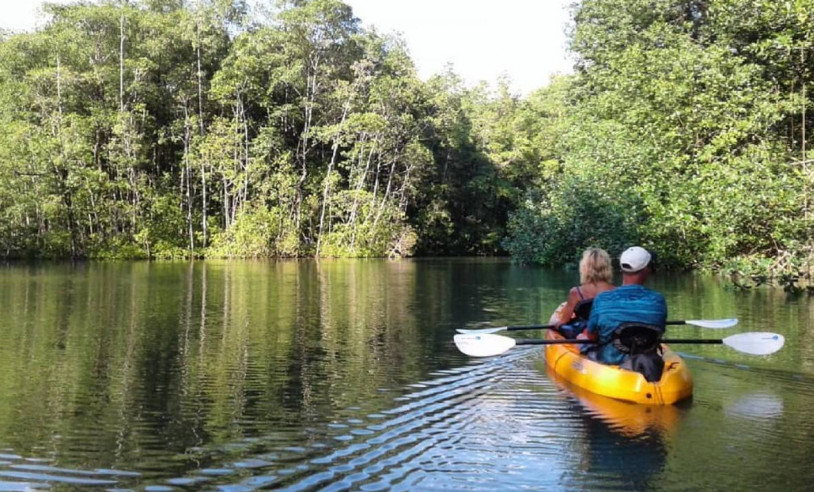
168	129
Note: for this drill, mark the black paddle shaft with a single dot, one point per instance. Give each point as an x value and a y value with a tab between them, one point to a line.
712	341
548	327
530	327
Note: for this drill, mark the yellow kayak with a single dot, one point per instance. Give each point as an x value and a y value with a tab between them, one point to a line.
612	381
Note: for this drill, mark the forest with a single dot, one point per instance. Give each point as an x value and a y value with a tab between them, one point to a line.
174	129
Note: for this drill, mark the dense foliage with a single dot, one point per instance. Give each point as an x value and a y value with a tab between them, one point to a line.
685	131
165	128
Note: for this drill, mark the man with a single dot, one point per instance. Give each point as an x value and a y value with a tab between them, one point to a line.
630	303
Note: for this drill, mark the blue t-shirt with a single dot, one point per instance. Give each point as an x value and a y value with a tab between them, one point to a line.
625	304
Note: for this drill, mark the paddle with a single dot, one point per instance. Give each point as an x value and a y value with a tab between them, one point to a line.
716	324
487	344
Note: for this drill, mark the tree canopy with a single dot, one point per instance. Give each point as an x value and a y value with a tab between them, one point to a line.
171	129
168	129
684	130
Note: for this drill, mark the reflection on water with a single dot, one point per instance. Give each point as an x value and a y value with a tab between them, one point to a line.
627	419
759	405
625	445
341	375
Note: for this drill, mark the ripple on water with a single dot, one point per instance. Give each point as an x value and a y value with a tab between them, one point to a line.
188	481
216	471
252	463
41	477
444	425
503	424
22	486
27	473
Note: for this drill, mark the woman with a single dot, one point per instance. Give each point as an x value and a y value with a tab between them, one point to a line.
595	276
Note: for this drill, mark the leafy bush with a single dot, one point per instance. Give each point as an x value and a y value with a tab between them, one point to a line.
257	232
576	214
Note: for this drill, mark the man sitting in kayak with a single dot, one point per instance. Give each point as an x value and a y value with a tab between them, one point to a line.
630	303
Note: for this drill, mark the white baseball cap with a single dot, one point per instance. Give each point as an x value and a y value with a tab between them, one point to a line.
634	259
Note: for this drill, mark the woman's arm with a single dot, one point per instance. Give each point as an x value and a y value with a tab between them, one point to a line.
567	312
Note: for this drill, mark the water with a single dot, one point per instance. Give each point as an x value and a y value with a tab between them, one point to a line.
341	375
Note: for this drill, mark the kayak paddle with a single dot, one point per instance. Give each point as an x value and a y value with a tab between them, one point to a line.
716	324
487	344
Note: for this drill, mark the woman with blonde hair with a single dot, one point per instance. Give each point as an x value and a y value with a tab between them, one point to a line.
595	276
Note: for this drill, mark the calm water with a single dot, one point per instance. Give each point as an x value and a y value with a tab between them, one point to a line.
341	375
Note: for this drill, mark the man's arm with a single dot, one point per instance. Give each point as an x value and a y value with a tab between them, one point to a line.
662	303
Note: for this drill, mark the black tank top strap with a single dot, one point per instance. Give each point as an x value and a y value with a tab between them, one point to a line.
579	292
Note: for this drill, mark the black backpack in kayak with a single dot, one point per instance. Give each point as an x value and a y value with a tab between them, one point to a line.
641	342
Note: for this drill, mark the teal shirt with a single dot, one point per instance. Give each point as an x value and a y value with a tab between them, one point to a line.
626	304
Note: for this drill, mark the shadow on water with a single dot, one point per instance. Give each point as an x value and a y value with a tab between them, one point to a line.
608	457
627	419
624	442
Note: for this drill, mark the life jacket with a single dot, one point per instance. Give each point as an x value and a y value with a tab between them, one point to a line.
582	311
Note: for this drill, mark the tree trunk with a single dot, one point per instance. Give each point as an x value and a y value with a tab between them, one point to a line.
62	171
328	174
359	186
383	203
310	98
188	173
121	62
201	126
803	131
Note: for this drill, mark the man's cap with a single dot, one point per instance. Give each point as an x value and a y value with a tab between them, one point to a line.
634	259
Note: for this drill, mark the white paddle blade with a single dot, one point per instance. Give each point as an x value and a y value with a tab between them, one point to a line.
483	345
482	330
715	324
756	342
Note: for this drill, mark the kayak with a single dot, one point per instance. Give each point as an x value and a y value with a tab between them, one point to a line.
612	381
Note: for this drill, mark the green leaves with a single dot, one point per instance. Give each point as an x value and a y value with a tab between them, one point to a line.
690	115
165	129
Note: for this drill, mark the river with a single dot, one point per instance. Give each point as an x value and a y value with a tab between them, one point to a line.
342	375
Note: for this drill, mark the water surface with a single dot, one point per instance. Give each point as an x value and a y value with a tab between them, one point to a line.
341	375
